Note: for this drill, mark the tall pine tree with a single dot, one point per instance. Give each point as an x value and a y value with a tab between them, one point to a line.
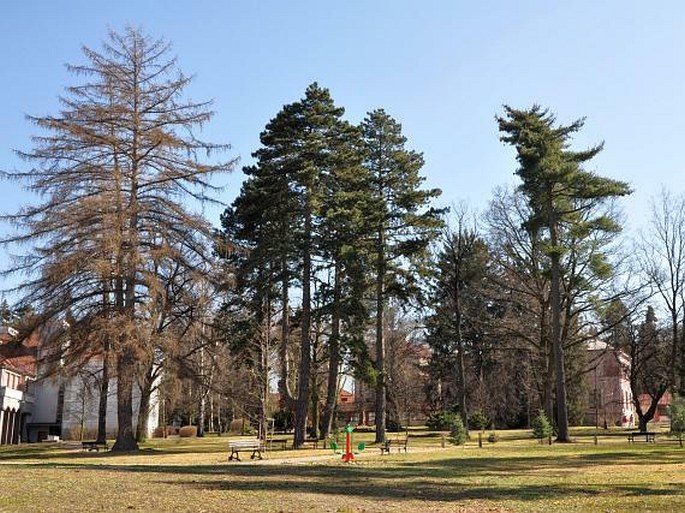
402	225
560	193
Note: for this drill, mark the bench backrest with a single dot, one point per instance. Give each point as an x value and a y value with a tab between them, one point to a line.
244	444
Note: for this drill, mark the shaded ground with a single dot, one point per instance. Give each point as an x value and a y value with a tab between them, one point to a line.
612	477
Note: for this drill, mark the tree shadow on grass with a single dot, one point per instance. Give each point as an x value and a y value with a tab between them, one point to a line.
397	479
437	491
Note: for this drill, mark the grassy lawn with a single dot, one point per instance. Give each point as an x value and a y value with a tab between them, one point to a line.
515	474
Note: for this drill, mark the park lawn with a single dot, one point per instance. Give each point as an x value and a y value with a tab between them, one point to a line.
515	474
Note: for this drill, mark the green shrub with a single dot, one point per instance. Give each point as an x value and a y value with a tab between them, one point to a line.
541	426
441	421
479	420
677	413
458	433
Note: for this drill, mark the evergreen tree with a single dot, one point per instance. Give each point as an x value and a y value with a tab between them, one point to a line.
403	224
560	193
307	150
461	305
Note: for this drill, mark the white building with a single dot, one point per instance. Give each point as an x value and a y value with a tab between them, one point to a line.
37	404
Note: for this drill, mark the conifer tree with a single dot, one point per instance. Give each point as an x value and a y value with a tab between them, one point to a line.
459	303
402	224
560	193
112	168
305	150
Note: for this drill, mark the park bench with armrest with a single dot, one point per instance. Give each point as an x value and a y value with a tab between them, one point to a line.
94	445
238	446
637	436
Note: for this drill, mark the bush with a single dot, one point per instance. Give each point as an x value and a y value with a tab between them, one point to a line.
479	420
170	431
458	433
240	427
492	438
441	421
393	426
541	426
187	431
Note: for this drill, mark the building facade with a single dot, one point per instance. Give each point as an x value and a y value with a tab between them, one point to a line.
611	399
40	404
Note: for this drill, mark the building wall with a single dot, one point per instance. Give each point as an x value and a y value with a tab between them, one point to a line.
611	400
68	407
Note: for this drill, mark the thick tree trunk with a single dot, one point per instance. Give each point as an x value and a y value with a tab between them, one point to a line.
557	343
125	376
549	385
333	360
146	387
143	412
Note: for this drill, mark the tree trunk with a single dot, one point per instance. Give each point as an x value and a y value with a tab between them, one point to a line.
284	391
104	392
264	350
125	376
143	411
202	407
380	340
333	359
557	343
146	387
305	353
460	362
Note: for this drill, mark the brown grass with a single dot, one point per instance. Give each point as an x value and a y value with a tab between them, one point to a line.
515	474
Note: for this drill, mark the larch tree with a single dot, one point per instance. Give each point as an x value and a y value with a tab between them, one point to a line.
403	224
112	169
561	193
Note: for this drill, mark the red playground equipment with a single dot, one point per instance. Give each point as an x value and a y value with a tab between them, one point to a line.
347	455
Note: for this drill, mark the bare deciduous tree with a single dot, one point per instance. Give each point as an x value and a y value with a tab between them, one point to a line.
112	170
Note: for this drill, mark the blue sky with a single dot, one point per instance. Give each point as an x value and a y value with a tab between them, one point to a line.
441	68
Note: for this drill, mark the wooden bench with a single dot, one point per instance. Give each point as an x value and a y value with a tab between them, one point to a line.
238	446
400	443
313	442
283	442
649	436
93	445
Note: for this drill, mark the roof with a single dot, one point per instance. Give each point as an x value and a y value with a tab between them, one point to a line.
19	356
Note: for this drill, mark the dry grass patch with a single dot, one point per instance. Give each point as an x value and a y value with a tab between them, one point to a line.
194	475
